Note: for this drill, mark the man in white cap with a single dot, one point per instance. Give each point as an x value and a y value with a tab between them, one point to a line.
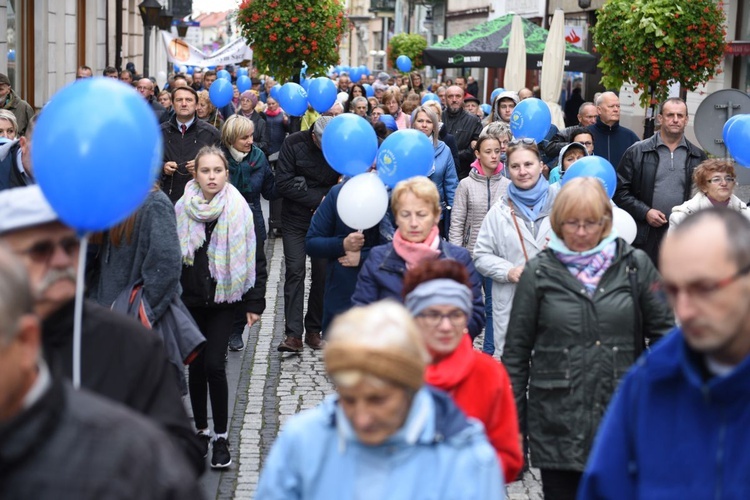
120	359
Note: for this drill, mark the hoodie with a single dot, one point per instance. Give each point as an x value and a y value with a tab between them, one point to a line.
556	173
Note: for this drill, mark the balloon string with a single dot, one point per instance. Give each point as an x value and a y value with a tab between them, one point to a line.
78	312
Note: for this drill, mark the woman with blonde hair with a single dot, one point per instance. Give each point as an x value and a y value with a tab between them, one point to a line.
392	101
581	311
8	125
206	111
415	203
383	428
714	181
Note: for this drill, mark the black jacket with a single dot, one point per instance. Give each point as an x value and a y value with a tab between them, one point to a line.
301	157
181	149
261	135
125	362
465	127
636	176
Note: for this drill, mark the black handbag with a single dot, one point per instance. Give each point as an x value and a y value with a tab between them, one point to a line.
639	340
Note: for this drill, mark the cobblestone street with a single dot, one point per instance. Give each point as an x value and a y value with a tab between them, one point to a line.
268	387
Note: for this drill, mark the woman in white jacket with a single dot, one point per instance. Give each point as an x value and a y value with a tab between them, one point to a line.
714	182
515	229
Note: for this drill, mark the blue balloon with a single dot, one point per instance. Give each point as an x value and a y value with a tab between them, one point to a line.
430	97
223	74
531	118
355	75
404	154
737	138
593	166
293	99
221	92
350	144
365	70
403	63
242	72
496	93
486	109
321	94
369	91
244	83
91	176
390	122
305	83
275	91
345	69
190	70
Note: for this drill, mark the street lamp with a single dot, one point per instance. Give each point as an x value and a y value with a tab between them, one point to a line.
165	19
150	11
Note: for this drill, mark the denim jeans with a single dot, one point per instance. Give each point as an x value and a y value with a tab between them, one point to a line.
489	339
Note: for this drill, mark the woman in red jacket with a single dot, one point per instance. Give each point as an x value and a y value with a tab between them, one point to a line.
438	294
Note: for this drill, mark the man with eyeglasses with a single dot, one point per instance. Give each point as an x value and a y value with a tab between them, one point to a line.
145	87
120	359
611	139
679	424
656	174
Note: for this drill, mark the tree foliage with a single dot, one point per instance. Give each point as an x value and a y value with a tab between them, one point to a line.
283	33
407	44
653	43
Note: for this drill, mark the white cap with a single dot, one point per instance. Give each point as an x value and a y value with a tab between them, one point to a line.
24	207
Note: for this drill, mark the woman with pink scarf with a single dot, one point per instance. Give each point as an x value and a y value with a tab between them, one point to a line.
415	203
217	241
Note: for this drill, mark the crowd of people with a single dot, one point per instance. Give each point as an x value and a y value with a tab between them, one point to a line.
490	243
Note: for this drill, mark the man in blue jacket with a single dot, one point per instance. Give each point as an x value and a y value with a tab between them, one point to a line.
680	422
610	138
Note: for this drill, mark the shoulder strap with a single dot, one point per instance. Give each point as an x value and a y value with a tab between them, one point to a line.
518	229
638	341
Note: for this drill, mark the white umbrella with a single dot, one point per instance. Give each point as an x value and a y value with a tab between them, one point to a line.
515	66
553	64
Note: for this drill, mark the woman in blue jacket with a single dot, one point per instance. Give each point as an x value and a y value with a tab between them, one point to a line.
443	172
416	206
384	434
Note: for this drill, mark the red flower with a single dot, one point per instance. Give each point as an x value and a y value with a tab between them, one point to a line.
295	19
313	24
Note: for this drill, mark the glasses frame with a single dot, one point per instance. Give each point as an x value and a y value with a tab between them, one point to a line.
522	140
567	224
42	251
430	320
717	180
702	292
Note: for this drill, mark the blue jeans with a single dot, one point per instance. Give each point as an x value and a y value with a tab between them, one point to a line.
489	339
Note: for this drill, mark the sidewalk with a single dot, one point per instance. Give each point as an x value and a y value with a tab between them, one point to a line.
267	387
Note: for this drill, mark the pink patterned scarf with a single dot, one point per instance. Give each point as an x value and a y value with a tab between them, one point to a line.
231	251
415	253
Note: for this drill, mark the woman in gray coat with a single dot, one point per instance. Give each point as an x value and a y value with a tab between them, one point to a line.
577	325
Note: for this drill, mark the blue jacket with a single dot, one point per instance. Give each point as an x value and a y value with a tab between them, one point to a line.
325	239
444	175
437	454
253	177
611	142
382	277
673	432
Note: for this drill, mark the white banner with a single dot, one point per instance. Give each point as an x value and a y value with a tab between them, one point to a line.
183	54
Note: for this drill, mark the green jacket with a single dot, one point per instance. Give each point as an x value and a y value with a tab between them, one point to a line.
569	350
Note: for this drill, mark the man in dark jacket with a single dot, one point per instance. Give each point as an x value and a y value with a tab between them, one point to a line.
610	138
303	178
184	135
58	442
464	126
656	174
145	87
120	359
12	102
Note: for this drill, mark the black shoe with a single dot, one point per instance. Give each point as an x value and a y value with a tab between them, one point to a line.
204	440
220	458
235	342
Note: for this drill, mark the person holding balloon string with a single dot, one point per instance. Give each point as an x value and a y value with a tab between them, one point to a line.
516	228
581	311
218	246
415	203
443	172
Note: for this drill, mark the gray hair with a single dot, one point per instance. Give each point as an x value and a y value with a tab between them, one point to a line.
16	298
497	130
736	225
359	99
582	107
433	118
600	99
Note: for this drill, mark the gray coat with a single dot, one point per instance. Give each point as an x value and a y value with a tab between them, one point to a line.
565	352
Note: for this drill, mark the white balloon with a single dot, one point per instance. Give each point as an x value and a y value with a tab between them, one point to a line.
161	79
625	224
362	201
342	97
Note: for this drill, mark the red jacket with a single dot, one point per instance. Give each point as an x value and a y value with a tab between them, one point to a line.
480	386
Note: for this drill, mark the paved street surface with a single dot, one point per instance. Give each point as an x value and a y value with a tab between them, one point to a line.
267	387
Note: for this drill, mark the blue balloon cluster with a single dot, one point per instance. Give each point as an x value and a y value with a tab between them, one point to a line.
403	63
404	154
350	144
91	177
736	134
593	166
292	99
221	92
531	118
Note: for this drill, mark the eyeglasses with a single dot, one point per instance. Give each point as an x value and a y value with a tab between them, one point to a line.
702	291
587	225
522	140
434	318
718	180
42	251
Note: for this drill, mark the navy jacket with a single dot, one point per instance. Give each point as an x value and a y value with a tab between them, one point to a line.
325	239
382	277
611	142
